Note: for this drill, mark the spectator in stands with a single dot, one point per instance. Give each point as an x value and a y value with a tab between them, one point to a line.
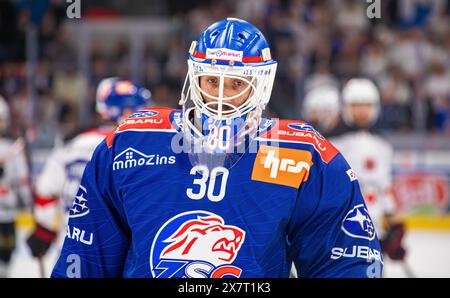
396	100
437	89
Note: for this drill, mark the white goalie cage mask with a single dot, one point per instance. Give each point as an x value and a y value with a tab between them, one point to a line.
215	130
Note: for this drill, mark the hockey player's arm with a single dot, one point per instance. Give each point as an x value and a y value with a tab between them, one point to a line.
330	233
46	209
97	237
49	187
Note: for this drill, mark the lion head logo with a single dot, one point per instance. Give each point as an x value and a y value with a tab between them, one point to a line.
205	238
193	238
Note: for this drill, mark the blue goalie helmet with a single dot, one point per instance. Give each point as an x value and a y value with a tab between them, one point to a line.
115	96
228	85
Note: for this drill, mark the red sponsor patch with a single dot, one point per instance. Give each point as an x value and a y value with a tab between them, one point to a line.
301	132
161	120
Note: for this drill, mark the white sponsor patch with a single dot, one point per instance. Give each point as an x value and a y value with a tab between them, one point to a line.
352	175
266	54
356	251
224	54
130	158
79	235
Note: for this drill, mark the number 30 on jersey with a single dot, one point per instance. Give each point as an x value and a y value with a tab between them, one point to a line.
207	183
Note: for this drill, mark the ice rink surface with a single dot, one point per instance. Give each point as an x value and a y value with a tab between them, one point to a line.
428	256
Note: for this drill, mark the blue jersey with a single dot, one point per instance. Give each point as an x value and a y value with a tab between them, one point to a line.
143	210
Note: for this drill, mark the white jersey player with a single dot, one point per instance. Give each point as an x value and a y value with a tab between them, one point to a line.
369	155
371	158
14	188
60	178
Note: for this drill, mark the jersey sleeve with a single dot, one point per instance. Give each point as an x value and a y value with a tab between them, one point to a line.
51	180
48	190
387	179
330	233
97	236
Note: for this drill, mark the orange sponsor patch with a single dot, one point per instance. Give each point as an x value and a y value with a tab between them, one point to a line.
283	166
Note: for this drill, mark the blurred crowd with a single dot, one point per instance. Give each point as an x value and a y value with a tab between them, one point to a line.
406	52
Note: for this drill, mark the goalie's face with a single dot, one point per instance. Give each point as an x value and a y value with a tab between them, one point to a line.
234	91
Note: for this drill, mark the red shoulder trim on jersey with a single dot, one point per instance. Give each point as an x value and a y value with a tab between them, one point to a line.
156	109
292	131
157	118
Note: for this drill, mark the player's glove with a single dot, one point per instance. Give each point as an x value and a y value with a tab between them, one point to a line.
391	244
40	240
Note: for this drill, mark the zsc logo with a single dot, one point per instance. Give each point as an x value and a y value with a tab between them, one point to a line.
196	244
357	223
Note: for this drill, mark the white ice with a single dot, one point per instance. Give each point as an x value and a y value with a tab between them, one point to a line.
428	256
26	266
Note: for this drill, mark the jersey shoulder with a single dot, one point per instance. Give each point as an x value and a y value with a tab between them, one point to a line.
148	120
300	135
379	140
362	139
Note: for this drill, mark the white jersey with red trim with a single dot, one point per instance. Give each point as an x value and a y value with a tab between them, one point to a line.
370	157
14	181
61	175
